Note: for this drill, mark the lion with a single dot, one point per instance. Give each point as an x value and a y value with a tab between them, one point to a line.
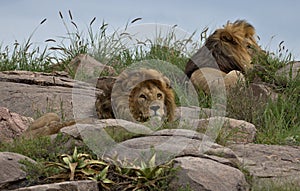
138	95
226	55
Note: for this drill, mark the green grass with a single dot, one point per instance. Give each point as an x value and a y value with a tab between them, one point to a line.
276	186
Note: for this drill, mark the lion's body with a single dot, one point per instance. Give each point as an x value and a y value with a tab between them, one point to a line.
228	49
138	95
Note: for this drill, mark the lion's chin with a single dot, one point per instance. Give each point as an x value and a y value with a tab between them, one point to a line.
156	118
155	122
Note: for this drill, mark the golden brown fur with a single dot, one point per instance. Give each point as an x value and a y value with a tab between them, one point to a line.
230	48
138	95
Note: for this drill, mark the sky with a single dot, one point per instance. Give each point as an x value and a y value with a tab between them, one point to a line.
274	20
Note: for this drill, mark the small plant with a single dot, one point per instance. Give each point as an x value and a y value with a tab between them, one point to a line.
146	176
79	166
112	175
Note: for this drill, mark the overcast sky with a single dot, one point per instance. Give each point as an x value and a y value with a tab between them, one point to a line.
275	21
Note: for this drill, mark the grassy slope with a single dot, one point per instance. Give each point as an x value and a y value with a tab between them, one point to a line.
277	121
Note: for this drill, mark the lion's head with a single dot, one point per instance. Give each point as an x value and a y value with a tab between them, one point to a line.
139	95
231	47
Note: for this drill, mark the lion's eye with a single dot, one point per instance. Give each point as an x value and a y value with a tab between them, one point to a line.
143	96
159	96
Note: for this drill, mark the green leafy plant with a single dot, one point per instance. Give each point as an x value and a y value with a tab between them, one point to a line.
146	176
79	166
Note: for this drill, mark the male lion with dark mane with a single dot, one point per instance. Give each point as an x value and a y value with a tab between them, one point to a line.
227	54
138	95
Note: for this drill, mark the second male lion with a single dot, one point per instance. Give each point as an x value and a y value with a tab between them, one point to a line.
226	55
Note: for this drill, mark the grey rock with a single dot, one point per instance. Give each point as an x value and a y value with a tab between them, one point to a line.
12	124
262	92
206	175
34	93
169	144
83	185
87	65
192	112
227	130
267	163
10	168
290	71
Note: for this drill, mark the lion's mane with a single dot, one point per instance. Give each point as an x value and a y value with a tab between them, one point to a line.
118	101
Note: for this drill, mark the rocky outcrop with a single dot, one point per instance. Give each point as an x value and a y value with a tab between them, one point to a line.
10	168
35	93
270	163
224	129
12	125
84	64
200	161
83	185
206	175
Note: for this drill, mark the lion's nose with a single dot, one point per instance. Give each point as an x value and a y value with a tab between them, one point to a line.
154	108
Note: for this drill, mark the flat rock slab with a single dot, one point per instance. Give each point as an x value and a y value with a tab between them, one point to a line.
10	168
270	162
205	175
84	185
34	93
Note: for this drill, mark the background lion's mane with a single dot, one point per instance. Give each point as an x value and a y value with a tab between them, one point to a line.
229	48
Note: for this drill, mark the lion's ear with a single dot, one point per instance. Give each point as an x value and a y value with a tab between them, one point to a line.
167	81
227	37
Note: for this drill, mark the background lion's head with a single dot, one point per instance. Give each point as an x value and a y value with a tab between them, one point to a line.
229	48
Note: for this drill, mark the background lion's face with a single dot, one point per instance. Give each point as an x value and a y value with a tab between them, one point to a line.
147	100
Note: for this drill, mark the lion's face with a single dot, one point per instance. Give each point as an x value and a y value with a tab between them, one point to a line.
147	100
142	95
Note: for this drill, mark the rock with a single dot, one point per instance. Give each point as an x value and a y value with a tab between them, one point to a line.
110	130
83	185
117	136
207	121
290	71
205	165
141	149
193	112
262	92
12	124
169	144
206	175
270	163
83	65
201	171
35	93
87	65
226	130
10	168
